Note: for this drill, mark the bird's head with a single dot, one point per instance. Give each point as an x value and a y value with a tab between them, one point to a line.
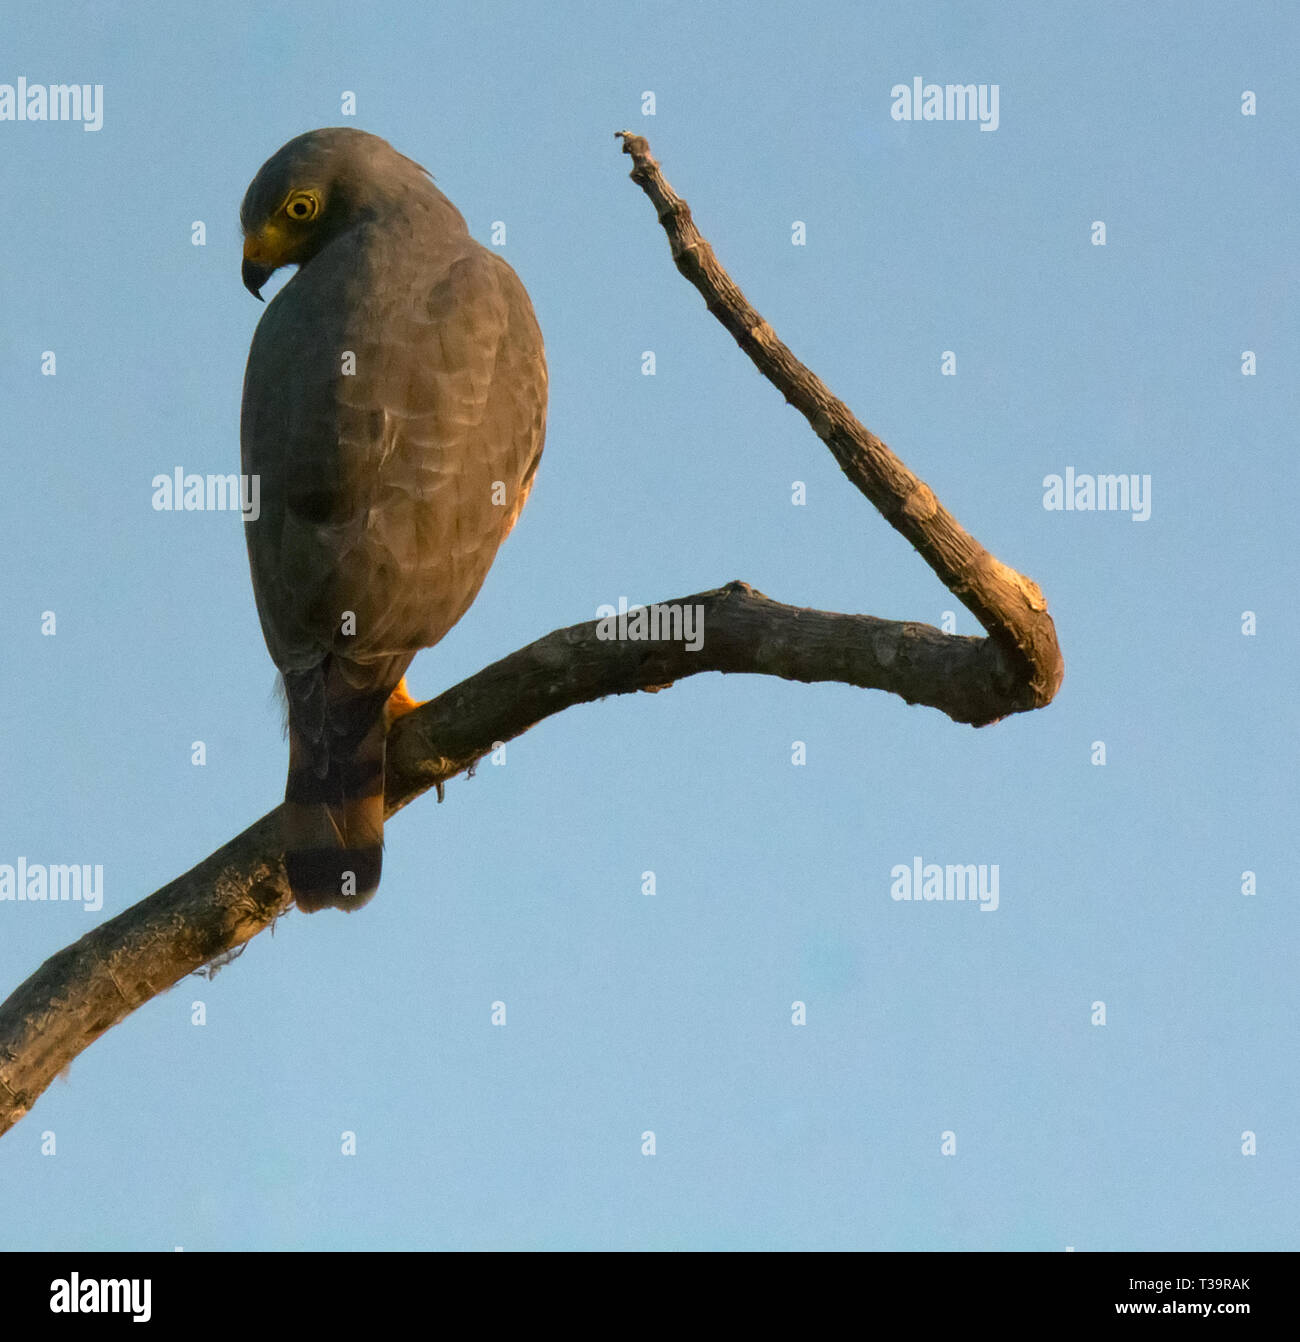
313	188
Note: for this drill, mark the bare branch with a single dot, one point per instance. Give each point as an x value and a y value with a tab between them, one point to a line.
1009	605
240	889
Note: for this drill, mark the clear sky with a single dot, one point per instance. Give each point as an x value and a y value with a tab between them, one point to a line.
1119	883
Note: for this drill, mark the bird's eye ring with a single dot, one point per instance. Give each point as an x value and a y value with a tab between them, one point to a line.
300	207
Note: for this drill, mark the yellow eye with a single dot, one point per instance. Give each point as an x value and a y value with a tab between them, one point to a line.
301	206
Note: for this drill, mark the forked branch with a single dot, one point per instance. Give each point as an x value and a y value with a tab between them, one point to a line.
239	890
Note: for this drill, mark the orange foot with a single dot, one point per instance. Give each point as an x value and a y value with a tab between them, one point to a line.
399	704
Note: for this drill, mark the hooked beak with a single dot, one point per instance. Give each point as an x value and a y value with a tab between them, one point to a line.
255	272
254	277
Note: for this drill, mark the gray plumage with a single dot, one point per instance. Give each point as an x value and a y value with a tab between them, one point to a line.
386	490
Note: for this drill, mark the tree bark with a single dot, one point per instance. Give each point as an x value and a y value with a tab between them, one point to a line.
216	907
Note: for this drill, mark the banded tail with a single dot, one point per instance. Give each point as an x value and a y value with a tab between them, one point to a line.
334	798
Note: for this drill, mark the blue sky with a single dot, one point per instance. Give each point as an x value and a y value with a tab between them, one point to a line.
672	1013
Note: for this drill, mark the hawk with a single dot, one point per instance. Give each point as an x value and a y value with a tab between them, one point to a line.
394	409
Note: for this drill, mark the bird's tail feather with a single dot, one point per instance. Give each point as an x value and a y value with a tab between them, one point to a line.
334	813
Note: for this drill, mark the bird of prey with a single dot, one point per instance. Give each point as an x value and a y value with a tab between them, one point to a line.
394	409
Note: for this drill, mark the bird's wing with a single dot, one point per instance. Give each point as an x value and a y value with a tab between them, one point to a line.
394	407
